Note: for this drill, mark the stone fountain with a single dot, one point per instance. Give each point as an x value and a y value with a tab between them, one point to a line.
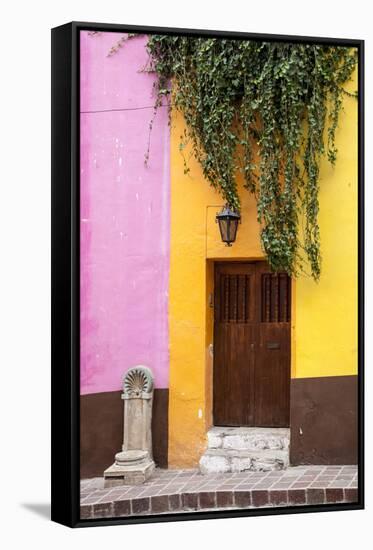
134	463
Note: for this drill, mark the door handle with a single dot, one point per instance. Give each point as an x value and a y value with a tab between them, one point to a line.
273	345
252	345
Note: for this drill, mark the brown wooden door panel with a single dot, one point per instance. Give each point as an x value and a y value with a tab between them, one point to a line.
251	345
234	340
272	375
233	387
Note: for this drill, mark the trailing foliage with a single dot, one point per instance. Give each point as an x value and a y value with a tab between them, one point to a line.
262	109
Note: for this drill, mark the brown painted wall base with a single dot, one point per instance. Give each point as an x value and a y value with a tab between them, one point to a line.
101	430
323	420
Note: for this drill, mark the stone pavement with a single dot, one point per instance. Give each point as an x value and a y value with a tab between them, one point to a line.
170	491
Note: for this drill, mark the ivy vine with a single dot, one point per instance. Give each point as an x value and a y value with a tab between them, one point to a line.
262	109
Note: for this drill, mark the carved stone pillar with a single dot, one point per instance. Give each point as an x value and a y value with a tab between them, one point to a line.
134	464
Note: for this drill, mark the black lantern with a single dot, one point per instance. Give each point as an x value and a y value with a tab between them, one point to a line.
228	222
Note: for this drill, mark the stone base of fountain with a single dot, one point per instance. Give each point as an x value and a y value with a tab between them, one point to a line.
130	468
134	464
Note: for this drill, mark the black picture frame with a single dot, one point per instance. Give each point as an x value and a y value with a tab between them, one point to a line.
65	275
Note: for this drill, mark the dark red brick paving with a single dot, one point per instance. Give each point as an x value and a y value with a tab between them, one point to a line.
242	499
315	496
259	498
190	501
351	495
169	491
334	495
207	500
159	504
297	496
224	499
174	502
140	505
122	508
104	510
278	497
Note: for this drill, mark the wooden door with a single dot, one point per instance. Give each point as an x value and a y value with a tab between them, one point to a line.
251	345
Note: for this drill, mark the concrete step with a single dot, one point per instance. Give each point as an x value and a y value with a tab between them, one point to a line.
242	449
251	439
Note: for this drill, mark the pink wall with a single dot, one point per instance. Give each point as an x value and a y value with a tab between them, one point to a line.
124	217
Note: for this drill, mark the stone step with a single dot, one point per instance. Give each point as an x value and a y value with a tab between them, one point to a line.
251	439
245	449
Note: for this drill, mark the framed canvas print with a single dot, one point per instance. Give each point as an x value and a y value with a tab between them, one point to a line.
207	276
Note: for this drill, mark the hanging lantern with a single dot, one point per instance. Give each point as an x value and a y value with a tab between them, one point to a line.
228	222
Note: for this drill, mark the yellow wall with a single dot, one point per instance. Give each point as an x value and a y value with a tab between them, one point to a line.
324	335
194	239
326	313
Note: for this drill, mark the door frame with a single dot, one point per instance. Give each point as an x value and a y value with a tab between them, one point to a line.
211	265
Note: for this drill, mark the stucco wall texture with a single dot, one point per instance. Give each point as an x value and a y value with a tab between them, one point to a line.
324	314
149	239
124	217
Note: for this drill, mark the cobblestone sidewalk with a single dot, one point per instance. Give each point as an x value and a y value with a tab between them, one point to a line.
170	491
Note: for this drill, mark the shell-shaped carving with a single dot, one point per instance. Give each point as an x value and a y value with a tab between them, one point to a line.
138	380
